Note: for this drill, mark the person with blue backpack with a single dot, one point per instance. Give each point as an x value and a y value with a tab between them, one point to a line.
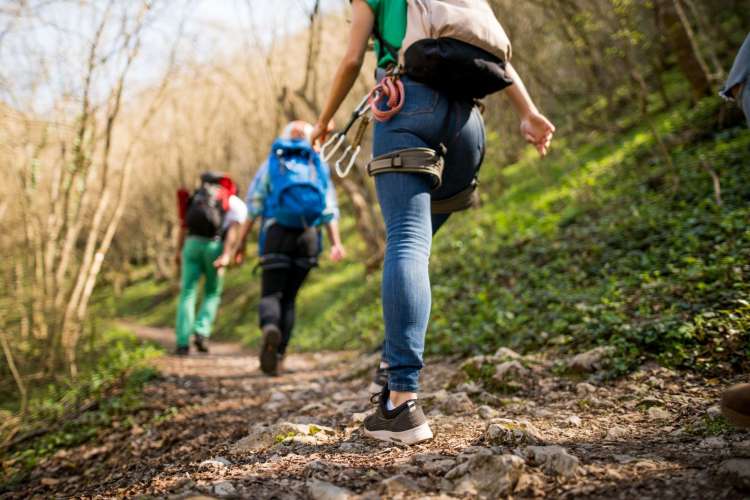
293	196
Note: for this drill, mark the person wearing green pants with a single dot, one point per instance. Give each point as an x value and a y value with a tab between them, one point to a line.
211	218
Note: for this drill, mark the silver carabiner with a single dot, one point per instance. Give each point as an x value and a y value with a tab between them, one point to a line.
334	138
352	160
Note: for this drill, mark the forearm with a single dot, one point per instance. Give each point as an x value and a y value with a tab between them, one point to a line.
343	81
363	20
245	230
519	95
232	238
332	228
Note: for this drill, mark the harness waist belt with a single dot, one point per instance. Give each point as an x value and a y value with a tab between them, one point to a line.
462	200
412	160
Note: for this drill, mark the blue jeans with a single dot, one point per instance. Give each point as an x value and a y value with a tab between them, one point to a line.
427	119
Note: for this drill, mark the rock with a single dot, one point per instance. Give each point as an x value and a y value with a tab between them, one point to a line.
584	389
713	442
469	388
503	431
264	436
509	370
50	481
505	353
358	417
590	361
616	432
398	484
457	402
438	467
321	490
554	459
714	412
658	413
530	485
215	463
487	412
224	489
573	421
486	475
350	447
737	472
277	397
624	459
741	448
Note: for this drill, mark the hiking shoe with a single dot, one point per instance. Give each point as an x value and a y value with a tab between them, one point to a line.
735	405
269	351
379	381
182	350
201	343
404	424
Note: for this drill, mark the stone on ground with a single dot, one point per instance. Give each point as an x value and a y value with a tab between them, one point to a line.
224	489
321	490
507	432
554	460
264	436
486	475
590	361
737	472
398	484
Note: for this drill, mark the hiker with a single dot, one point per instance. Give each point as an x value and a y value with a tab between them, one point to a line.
735	402
209	231
435	129
293	195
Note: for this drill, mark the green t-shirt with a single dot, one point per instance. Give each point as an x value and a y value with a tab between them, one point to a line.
390	20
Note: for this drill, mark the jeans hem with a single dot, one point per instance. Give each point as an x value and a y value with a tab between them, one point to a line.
402	387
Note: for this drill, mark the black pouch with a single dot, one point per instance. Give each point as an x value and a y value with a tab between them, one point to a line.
456	68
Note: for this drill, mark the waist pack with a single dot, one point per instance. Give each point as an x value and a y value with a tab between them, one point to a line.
298	184
207	207
455	46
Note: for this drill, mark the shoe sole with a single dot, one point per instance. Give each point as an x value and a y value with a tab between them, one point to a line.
269	351
735	418
412	436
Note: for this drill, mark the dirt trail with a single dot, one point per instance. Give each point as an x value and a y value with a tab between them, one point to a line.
215	426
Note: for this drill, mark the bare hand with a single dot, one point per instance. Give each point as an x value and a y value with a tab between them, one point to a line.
320	134
222	261
239	257
537	130
338	253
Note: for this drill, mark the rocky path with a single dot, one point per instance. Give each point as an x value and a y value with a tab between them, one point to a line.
213	426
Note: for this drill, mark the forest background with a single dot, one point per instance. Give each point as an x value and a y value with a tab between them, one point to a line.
632	235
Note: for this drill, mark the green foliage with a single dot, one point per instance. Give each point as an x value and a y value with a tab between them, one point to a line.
76	411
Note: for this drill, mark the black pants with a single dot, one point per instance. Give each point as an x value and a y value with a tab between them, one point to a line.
288	256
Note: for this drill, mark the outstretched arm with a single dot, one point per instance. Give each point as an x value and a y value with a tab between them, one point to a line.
535	127
245	230
363	20
230	244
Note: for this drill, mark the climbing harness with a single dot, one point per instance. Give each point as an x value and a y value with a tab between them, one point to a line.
411	160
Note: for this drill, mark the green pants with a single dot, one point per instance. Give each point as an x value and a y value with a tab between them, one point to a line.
198	257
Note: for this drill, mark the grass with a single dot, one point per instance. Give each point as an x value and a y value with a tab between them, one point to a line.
72	412
604	242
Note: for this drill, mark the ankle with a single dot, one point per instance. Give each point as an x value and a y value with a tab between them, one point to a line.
399	398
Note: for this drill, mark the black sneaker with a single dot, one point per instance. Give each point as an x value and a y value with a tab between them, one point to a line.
269	351
201	343
182	350
405	424
379	381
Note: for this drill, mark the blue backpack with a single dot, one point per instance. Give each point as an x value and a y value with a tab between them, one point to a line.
298	184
